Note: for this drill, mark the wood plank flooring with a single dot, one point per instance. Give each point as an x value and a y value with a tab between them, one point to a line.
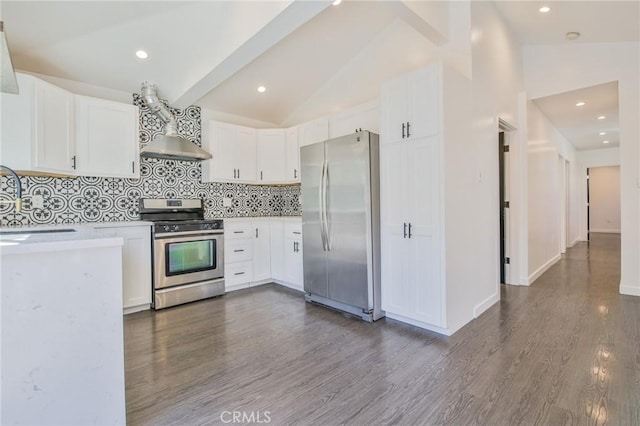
565	351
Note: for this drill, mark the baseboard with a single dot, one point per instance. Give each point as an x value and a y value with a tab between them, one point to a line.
604	231
629	290
420	324
289	285
573	243
138	308
485	304
541	270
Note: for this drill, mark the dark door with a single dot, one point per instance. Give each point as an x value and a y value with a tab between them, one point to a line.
501	152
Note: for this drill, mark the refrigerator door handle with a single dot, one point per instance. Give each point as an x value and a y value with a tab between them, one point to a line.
325	191
321	208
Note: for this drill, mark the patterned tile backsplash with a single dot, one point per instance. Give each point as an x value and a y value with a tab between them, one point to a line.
92	199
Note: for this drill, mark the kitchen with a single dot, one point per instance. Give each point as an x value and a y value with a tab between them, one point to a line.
235	189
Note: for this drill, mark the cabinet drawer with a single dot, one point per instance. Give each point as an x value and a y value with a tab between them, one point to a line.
293	230
237	273
238	250
234	230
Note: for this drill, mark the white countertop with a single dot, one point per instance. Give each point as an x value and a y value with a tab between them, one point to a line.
17	240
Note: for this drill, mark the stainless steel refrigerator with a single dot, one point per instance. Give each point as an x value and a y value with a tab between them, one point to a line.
341	224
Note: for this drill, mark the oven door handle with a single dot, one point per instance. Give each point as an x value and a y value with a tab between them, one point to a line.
186	233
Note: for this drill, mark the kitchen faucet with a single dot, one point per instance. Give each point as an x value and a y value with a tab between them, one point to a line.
18	200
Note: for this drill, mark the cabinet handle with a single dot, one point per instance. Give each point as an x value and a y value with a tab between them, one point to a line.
408	126
402	130
133	167
409	230
256	232
297	232
295	173
260	174
405	230
239	273
295	246
238	173
238	232
238	251
73	162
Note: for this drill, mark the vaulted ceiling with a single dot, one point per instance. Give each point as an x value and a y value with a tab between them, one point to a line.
313	58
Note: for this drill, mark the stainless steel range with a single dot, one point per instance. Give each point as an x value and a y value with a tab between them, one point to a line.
188	251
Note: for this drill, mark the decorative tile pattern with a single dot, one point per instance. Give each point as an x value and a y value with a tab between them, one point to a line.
92	199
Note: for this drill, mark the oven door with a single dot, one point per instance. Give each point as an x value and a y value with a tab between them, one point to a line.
185	259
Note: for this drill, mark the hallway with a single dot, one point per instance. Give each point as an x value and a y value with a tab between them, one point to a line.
564	351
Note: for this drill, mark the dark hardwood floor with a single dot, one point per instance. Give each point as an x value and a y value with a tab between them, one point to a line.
565	351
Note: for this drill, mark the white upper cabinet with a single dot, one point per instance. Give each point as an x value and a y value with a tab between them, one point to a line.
364	117
292	155
106	138
271	157
46	129
37	128
313	131
233	150
410	106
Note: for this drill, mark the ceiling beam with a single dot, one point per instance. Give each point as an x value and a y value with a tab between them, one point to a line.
295	15
429	18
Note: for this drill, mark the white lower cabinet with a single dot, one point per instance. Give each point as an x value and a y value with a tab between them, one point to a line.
136	265
263	250
293	273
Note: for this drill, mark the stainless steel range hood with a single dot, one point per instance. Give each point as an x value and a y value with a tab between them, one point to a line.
9	84
168	145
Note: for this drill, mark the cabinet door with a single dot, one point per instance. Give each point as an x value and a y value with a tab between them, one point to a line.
106	138
423	244
221	142
314	131
261	251
292	155
245	154
360	118
54	140
423	97
293	262
396	294
276	231
271	157
393	110
136	264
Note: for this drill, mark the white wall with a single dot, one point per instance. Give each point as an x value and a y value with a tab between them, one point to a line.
472	187
547	152
551	69
587	159
604	199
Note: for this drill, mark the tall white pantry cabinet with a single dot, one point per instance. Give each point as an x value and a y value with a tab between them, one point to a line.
413	135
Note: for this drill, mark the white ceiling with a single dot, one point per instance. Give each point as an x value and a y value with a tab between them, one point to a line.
215	53
580	125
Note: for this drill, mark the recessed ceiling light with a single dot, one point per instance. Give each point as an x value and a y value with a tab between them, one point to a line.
605	141
336	2
603	133
579	104
572	35
142	54
545	9
602	117
261	89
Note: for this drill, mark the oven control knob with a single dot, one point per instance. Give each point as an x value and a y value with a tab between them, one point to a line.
166	228
206	226
175	228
